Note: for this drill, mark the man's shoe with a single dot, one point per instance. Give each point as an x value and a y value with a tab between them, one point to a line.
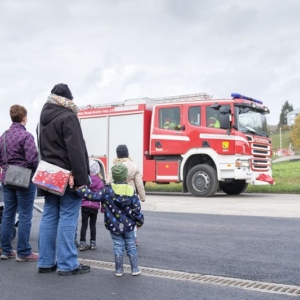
12	254
80	270
31	257
48	270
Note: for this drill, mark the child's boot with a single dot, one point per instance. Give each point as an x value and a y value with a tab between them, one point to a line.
83	246
93	245
119	265
134	265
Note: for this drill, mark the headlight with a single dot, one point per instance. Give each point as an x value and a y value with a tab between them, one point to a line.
241	163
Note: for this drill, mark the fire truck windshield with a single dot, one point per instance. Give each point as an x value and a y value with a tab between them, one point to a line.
251	121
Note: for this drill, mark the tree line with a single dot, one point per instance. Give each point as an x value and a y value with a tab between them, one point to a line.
295	128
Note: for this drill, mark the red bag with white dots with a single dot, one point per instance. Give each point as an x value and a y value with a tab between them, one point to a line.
51	178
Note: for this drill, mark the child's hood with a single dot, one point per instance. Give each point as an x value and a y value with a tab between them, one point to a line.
123	190
96	184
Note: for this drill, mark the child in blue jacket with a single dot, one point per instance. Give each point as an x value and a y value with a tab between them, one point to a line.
122	213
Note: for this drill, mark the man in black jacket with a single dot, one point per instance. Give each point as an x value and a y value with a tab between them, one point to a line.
62	144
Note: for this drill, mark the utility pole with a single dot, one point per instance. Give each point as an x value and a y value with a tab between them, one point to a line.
280	138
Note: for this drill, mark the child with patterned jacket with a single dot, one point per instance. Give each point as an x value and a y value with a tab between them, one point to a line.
122	213
89	209
134	177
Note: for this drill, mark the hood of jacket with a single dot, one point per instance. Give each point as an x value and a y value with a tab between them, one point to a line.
97	184
50	111
123	189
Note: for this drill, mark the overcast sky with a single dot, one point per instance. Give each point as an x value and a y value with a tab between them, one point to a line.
109	51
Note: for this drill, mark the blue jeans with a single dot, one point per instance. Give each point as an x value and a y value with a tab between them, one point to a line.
20	199
57	232
120	240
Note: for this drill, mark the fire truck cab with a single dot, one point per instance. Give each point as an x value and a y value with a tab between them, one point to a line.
207	144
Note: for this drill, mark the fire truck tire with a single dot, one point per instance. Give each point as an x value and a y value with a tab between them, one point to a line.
202	181
234	187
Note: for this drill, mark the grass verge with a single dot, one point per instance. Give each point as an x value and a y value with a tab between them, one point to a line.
286	175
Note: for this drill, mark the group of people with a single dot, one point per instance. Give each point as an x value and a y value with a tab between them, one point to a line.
61	143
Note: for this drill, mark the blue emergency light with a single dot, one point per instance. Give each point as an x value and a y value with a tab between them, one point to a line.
239	96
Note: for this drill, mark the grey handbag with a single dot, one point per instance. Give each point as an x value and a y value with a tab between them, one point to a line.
15	175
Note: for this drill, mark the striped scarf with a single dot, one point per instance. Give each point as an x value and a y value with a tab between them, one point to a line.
62	101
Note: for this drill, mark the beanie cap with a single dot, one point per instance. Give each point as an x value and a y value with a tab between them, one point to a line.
62	90
94	167
119	172
122	151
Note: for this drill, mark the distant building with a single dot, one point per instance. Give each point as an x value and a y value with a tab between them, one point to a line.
291	116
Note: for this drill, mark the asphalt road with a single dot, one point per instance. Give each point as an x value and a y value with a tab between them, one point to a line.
250	237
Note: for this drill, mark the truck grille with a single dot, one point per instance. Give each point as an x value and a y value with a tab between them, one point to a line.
262	153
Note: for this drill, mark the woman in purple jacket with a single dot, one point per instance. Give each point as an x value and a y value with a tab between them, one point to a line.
89	209
20	151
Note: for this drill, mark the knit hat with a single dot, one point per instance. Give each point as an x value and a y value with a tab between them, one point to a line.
119	172
94	167
122	151
62	90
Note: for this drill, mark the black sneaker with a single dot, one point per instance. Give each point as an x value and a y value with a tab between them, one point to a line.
48	270
80	270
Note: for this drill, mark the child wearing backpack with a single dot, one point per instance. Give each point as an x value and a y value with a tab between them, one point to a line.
122	213
89	209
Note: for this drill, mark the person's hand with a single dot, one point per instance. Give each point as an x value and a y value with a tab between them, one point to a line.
80	187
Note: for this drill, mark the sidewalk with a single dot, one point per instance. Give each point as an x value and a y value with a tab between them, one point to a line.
286	158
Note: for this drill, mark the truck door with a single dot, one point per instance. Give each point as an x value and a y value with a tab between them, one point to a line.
166	135
192	117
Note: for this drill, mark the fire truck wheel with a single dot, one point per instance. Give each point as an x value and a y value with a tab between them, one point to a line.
202	181
234	187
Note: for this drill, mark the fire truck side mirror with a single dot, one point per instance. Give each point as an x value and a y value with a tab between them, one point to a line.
225	117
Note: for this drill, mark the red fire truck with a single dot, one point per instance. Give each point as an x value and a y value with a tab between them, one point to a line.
207	144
